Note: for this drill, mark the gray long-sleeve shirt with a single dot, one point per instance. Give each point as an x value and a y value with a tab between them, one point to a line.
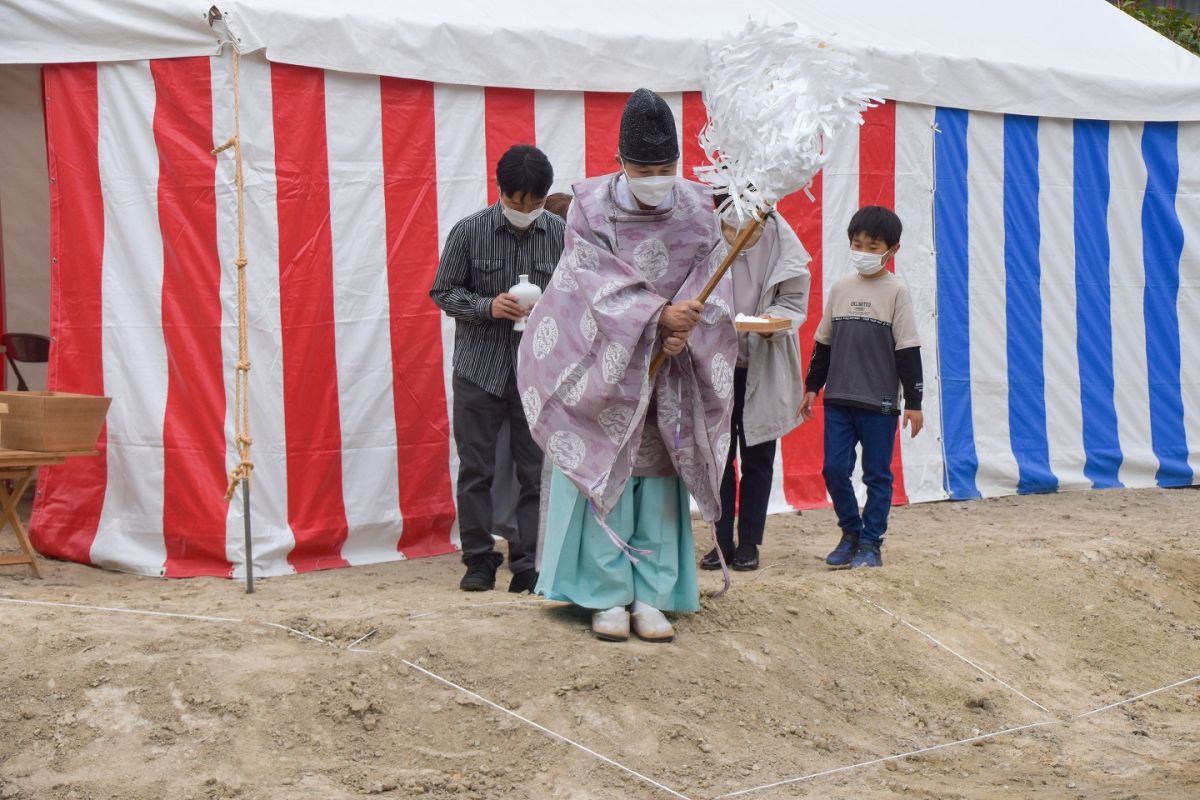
867	345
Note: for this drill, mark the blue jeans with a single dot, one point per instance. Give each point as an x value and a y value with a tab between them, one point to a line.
846	427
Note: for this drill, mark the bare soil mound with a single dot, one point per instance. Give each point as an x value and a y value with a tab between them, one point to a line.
988	616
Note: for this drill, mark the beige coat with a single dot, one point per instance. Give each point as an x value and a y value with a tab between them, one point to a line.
774	375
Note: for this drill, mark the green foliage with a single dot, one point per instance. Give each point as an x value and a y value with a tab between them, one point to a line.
1176	24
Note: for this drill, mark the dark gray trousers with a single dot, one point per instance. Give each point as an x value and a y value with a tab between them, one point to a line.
477	418
504	485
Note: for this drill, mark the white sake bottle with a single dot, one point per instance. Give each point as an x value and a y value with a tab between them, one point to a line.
527	294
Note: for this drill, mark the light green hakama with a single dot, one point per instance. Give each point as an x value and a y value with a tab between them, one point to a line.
582	565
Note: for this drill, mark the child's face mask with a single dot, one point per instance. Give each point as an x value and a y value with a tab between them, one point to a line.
868	263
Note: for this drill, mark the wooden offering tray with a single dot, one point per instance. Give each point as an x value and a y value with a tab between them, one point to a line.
745	324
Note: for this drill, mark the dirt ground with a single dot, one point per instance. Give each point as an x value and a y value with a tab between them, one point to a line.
1064	604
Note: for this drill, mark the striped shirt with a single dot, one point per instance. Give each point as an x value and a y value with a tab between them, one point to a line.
482	258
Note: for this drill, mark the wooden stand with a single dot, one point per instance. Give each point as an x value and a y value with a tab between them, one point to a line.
20	467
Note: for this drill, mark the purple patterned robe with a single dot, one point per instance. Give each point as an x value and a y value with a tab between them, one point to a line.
584	361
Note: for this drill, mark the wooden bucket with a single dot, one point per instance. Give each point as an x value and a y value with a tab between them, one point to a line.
52	422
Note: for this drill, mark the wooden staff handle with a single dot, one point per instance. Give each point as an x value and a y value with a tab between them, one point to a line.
738	245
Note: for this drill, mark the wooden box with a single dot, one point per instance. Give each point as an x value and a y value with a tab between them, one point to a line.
52	422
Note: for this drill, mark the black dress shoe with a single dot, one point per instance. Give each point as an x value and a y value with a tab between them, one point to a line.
746	558
523	581
481	574
711	561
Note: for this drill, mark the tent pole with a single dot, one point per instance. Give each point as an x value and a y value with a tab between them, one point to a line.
249	546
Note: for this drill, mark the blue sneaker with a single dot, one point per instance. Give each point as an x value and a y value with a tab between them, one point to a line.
843	554
867	556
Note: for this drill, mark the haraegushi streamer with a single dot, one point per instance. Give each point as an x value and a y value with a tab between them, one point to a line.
776	100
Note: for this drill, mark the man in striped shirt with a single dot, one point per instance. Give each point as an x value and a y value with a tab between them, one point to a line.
483	257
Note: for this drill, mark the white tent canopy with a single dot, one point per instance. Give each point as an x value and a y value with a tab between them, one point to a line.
1066	58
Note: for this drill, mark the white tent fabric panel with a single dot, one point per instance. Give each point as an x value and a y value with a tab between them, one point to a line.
916	262
1079	59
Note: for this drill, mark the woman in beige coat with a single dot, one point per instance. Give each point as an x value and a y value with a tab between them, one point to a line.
770	279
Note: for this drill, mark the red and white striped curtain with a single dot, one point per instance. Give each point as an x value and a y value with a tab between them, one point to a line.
352	183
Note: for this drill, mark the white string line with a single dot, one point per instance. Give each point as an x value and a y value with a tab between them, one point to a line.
981	737
298	633
515	715
447	609
1177	684
527	721
608	760
200	617
145	613
204	618
958	655
362	638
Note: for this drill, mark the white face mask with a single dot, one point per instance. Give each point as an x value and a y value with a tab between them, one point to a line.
651	191
520	219
867	263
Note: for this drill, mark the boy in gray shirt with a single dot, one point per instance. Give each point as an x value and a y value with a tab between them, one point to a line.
866	349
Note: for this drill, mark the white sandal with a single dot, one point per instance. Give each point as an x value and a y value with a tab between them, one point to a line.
611	625
650	624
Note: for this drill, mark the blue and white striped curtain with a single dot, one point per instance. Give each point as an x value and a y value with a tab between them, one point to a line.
1068	302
